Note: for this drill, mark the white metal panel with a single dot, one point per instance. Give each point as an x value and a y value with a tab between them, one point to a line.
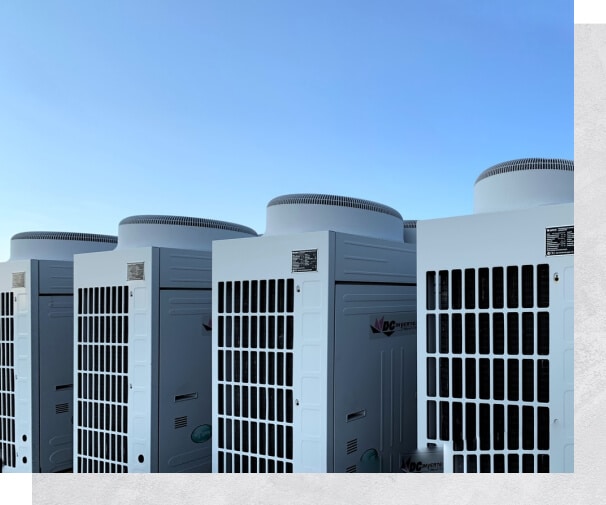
490	247
270	260
142	410
115	322
8	442
25	361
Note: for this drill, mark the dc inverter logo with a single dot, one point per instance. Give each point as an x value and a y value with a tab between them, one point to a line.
398	323
418	466
382	326
208	325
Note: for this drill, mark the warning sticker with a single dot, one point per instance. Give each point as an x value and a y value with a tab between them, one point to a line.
559	240
305	261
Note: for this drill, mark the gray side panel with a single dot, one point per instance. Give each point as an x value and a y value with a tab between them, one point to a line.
185	382
182	268
374	377
56	382
56	277
363	259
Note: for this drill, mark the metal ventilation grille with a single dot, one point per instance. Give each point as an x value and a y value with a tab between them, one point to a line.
527	164
255	376
488	366
59	235
188	221
102	369
62	408
180	422
338	201
8	456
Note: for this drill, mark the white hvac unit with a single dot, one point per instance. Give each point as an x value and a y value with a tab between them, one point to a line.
36	321
496	323
142	346
314	340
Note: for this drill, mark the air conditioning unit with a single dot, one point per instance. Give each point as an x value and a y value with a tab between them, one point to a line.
142	343
314	340
36	321
496	323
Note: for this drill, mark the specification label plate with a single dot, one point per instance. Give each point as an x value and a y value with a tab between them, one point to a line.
559	240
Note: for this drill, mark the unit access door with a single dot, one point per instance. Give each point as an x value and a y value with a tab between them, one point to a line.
374	377
185	381
56	382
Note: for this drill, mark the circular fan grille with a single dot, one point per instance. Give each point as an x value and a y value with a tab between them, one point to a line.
188	221
339	201
57	235
527	164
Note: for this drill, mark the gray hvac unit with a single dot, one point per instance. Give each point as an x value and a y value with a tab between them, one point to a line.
142	344
314	340
36	374
496	323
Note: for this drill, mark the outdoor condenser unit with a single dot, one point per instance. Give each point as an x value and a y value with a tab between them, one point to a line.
142	343
496	323
314	340
36	374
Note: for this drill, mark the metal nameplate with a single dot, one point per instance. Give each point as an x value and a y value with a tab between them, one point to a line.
305	261
18	279
136	271
559	240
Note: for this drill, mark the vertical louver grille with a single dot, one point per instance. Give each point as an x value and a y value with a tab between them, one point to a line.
7	381
102	370
487	348
255	375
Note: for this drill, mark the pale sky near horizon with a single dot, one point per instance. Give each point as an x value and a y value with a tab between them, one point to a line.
212	108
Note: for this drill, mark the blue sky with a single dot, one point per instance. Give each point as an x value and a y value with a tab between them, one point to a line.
212	108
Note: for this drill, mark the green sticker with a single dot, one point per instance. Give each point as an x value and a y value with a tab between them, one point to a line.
201	434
